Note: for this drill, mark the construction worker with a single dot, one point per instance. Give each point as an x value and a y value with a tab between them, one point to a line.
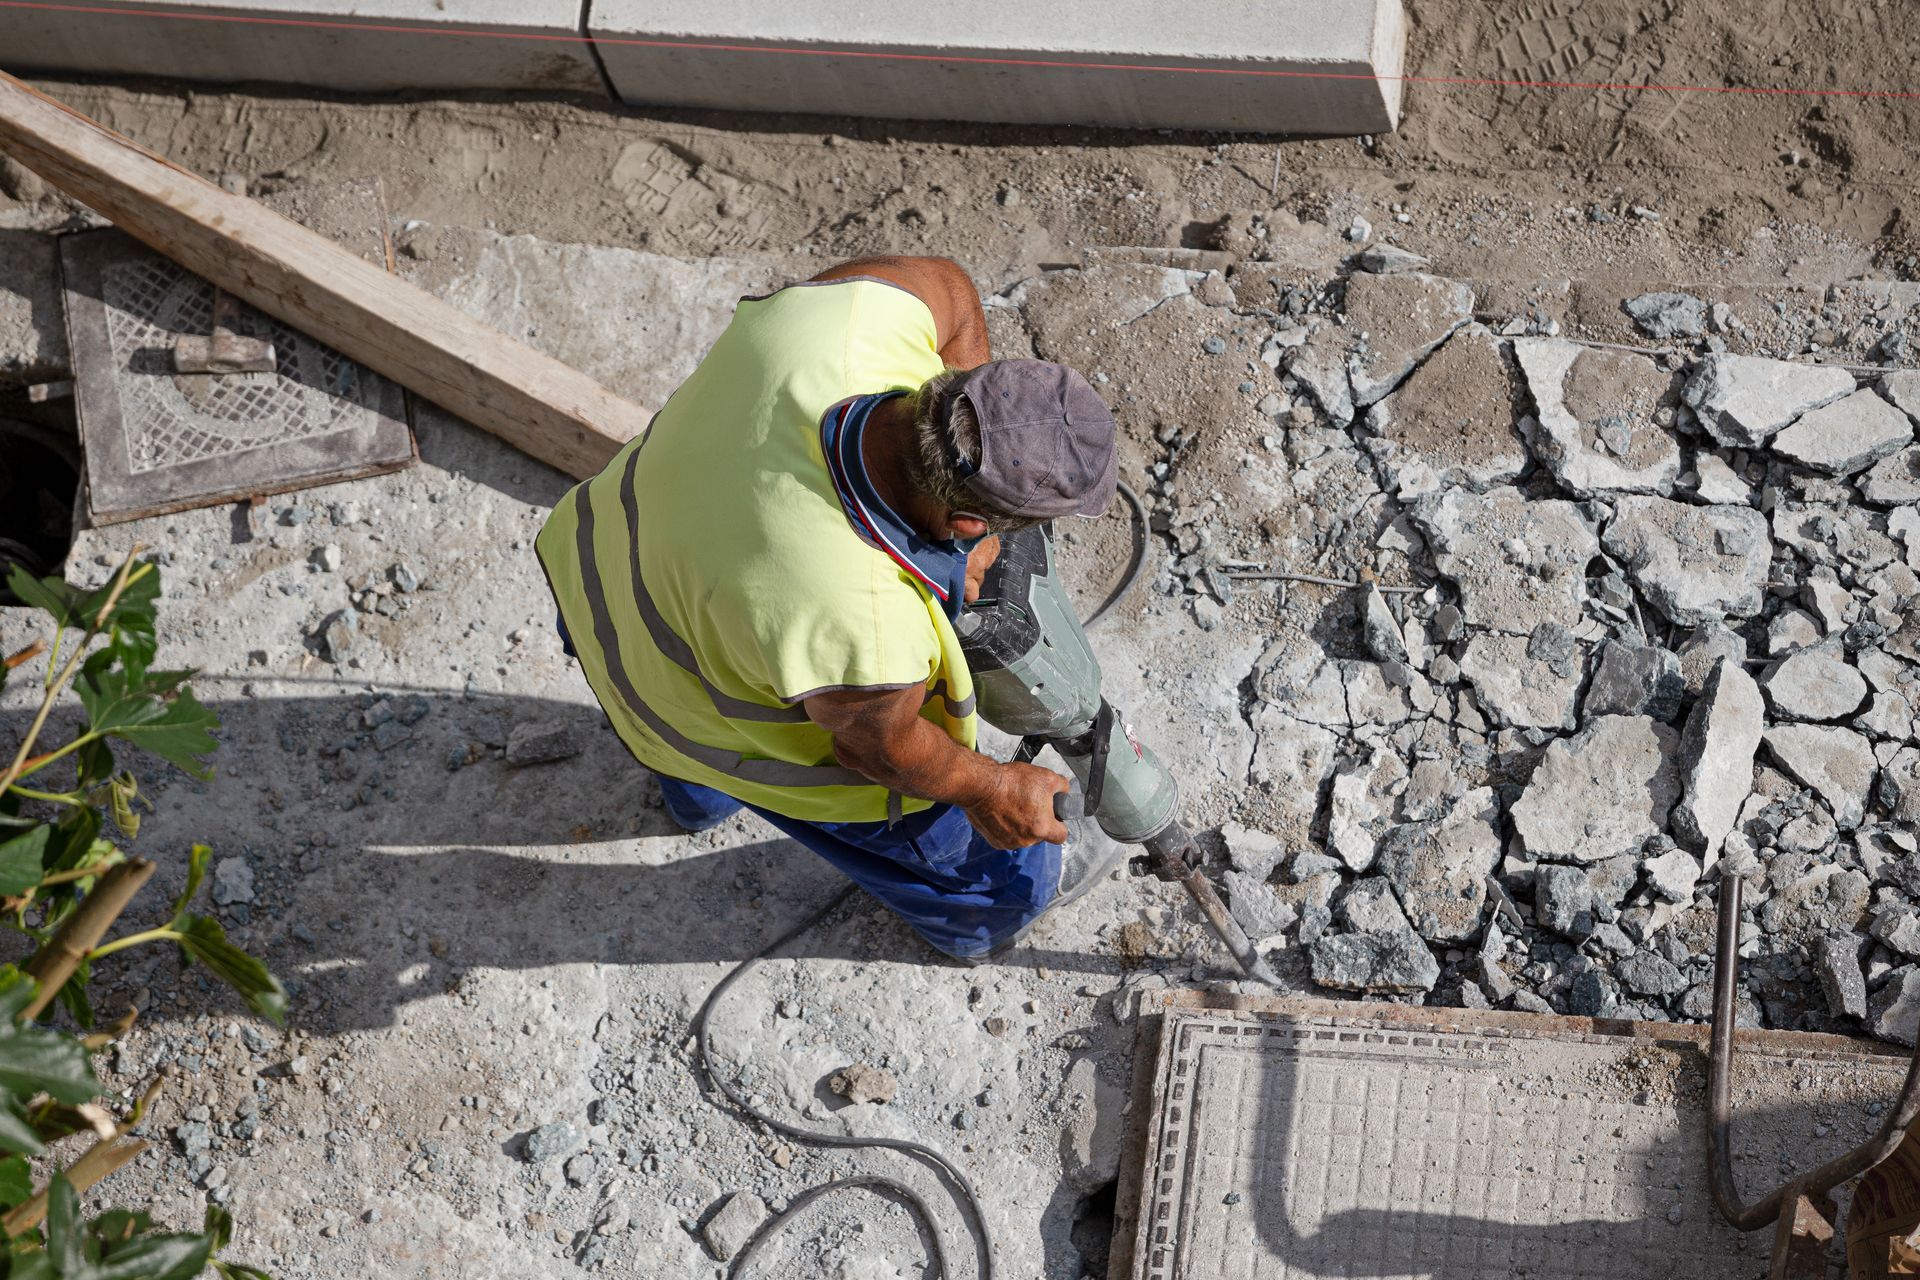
761	590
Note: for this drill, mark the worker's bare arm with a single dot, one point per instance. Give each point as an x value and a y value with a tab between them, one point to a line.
960	326
881	735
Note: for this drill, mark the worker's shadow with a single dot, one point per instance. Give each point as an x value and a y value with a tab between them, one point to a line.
1458	1175
394	849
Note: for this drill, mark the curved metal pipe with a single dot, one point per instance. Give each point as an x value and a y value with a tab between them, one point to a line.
1720	1177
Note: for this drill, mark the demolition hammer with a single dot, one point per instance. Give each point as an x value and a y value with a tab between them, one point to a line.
1035	675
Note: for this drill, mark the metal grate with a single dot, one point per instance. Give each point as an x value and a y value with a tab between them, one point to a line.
1294	1147
156	440
313	390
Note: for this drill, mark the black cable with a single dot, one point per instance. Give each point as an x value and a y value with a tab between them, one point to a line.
1142	542
957	1180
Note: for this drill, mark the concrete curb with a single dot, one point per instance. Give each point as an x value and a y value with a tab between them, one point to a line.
381	46
1307	67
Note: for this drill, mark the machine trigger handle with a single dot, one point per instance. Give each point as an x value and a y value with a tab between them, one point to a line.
1068	805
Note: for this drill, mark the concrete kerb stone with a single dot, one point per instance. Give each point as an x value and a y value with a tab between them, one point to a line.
1331	67
262	43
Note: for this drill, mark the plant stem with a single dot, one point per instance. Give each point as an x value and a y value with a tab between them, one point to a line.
81	932
27	654
135	940
27	768
57	682
69	798
99	1160
68	877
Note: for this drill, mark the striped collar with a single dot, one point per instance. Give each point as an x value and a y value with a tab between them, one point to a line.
940	567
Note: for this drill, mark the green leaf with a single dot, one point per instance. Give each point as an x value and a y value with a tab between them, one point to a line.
130	627
31	1266
197	862
93	762
65	1244
73	996
15	1133
53	595
204	940
239	1271
23	861
16	1181
35	1060
131	704
75	838
116	1226
219	1225
168	1257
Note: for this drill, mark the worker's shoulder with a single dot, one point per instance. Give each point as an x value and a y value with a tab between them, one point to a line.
851	299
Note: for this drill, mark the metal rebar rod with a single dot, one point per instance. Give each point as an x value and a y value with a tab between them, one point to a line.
1720	1175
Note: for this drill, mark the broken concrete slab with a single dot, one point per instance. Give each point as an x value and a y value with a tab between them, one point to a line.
1451	423
394	46
1257	908
1402	319
1837	763
1673	875
1849	435
1668	315
1716	751
1697	564
1837	965
1602	417
1352	813
1635	679
1893	1012
1602	792
1374	962
1381	630
1517	563
1387	260
1828	898
1815	683
1894	479
1704	646
1716	482
1369	906
1746	400
1440	869
1514	687
1899	786
1332	69
1253	852
1564	901
1901	387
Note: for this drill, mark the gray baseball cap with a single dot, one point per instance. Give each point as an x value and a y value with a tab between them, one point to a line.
1046	440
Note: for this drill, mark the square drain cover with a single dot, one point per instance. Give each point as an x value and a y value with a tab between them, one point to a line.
159	441
1293	1140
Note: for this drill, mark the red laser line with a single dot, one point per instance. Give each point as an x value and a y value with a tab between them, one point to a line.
1591	86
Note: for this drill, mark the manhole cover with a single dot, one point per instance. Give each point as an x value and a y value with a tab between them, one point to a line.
158	441
1295	1144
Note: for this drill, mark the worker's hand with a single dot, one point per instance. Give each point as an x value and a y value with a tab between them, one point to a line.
979	560
1019	810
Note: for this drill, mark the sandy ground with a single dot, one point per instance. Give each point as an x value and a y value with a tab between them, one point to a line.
482	950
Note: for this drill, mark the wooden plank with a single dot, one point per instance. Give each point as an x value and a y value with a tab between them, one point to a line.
532	401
